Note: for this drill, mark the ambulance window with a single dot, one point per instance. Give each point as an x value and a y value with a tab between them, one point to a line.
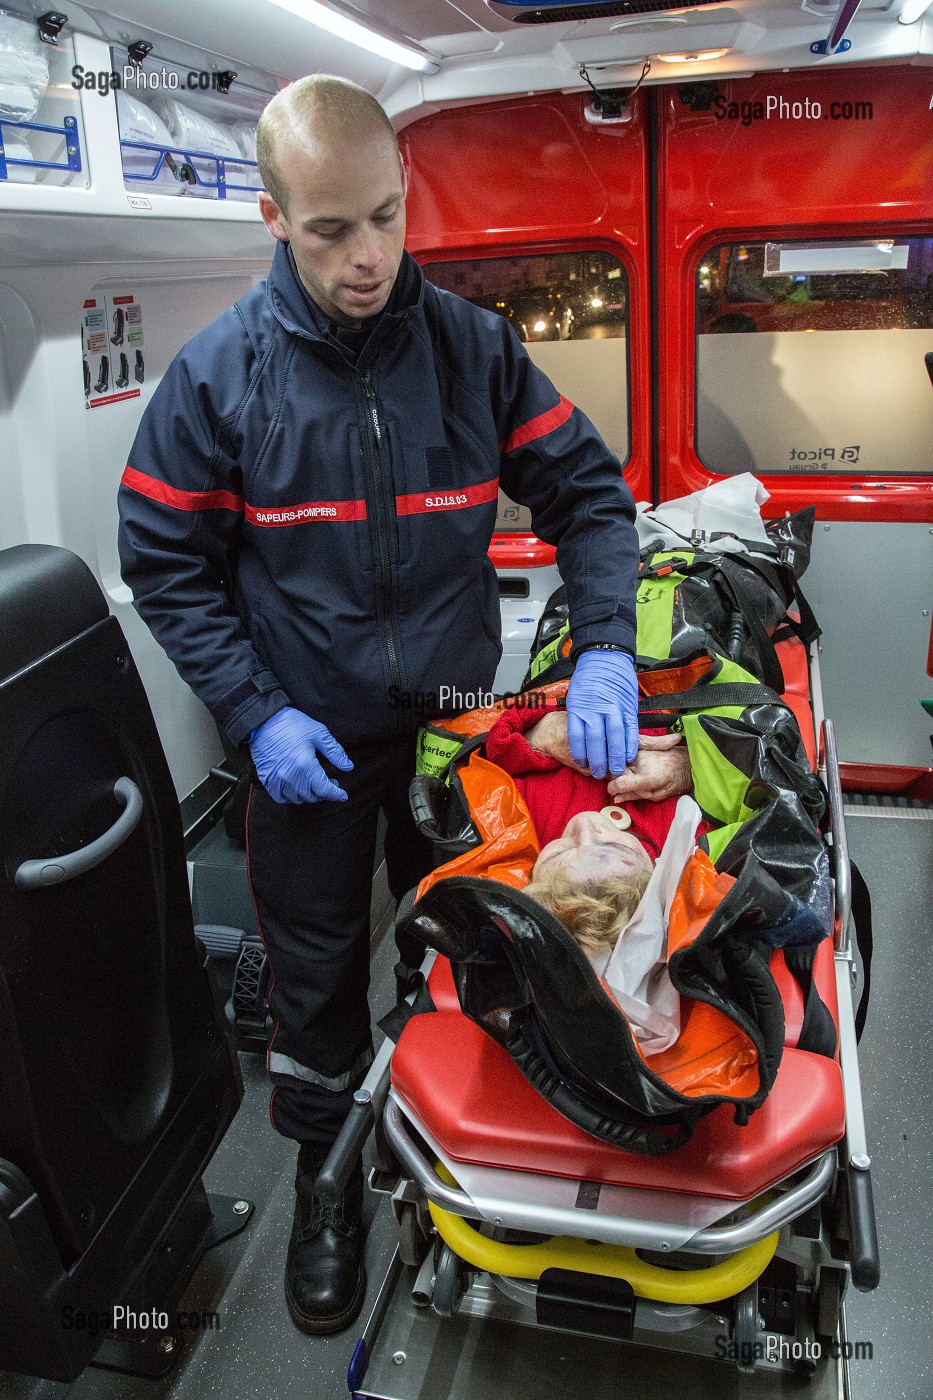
571	311
810	357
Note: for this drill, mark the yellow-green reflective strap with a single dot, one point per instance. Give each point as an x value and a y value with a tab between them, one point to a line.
549	654
434	751
655	607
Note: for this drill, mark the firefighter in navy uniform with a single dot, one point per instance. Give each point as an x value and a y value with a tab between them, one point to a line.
305	520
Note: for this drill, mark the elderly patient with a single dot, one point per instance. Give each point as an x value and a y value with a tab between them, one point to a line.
598	840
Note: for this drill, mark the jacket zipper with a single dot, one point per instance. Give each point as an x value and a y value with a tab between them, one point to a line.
385	590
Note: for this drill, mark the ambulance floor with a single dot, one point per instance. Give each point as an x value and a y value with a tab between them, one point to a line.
255	1352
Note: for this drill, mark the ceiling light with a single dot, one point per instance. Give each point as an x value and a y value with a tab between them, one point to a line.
912	10
647	19
701	56
335	22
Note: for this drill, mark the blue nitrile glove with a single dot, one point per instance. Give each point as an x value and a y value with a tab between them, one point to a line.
602	712
285	751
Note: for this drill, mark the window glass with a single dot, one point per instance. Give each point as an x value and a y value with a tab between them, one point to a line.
571	311
810	356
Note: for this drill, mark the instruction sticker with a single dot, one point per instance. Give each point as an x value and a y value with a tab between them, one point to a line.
112	349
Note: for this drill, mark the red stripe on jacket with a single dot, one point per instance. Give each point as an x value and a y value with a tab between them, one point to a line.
182	500
538	427
426	502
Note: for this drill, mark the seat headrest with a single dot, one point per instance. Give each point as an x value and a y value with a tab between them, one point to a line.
47	597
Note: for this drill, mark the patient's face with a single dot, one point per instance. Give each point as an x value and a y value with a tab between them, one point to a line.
591	849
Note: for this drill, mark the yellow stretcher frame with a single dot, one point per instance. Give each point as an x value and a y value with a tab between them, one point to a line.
649	1281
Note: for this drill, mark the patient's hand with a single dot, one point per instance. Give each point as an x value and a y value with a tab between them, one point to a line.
661	769
549	736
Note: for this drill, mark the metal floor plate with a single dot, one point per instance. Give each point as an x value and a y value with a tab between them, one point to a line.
419	1356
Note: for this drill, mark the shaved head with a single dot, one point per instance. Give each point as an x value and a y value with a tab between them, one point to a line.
334	192
316	112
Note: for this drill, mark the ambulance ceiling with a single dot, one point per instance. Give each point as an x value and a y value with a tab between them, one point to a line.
478	52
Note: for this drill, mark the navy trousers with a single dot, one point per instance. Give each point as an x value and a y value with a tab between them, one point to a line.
310	870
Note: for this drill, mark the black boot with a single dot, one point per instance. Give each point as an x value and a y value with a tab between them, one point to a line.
325	1282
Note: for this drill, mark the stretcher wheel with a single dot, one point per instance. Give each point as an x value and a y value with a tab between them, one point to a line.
414	1239
745	1327
450	1282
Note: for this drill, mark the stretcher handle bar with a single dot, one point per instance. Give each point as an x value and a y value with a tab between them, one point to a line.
864	1254
779	1212
53	870
842	872
552	1220
367	1104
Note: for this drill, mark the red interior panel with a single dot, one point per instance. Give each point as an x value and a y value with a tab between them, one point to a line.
531	175
719	180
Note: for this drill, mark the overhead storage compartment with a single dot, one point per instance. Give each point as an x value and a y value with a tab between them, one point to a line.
41	134
188	131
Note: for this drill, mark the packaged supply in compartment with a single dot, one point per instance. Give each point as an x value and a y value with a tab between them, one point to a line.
191	131
245	134
17	147
138	122
24	69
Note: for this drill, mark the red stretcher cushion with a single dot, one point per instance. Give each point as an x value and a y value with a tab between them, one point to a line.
792	655
479	1108
441	985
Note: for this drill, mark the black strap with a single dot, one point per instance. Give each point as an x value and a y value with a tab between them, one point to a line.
395	1021
706	697
861	917
808	629
817	1031
731	580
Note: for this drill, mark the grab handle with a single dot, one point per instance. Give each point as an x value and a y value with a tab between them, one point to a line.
53	870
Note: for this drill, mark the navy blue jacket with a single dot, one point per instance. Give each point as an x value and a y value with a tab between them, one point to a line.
299	529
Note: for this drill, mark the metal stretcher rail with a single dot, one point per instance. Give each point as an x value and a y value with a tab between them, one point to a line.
715	1239
842	871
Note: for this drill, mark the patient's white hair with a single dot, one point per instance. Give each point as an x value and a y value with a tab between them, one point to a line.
594	911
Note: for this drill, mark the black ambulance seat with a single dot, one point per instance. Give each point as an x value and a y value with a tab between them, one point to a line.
117	1080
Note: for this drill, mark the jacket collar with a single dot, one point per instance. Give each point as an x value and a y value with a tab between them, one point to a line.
299	314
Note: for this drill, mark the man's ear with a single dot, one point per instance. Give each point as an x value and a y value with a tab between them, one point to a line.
272	217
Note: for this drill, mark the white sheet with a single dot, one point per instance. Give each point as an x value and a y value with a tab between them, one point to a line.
636	970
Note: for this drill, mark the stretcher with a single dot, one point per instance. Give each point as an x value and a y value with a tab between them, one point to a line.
738	1247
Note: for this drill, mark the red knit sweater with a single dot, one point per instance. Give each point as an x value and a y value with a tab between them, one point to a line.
553	793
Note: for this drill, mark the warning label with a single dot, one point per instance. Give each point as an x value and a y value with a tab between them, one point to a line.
112	349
